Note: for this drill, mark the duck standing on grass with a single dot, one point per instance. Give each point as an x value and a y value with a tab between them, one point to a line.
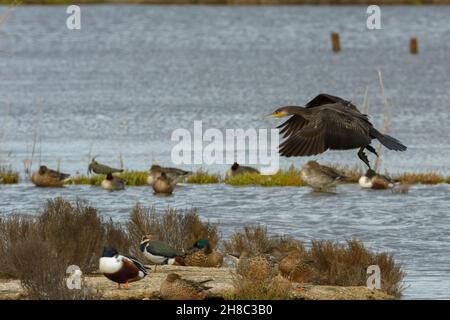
99	168
202	255
177	288
174	174
164	185
295	268
112	183
320	178
119	268
46	177
373	180
237	169
159	252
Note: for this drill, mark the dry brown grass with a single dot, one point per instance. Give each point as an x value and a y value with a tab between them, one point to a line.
41	273
255	240
257	279
346	265
74	232
179	228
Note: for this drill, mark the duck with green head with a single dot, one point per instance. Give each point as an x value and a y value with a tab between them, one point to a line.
113	183
201	254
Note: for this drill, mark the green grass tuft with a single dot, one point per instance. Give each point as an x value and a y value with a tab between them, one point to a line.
133	178
423	178
283	178
8	176
203	177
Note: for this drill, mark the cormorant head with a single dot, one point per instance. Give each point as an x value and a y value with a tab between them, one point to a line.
282	112
109	252
235	166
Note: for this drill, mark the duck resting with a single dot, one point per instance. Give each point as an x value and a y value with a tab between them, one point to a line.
329	122
46	177
319	177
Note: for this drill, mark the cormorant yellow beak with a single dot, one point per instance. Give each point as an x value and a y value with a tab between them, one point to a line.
274	115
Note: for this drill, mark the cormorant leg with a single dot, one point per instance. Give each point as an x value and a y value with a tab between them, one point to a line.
363	156
118	285
126	285
371	149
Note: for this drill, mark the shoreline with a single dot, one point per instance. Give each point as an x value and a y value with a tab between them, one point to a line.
222	287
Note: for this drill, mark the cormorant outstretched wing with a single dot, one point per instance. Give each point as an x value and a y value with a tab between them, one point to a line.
331	128
296	122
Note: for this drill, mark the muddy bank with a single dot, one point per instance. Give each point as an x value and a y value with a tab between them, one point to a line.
148	288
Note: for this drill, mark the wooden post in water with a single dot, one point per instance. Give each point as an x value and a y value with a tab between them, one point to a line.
413	46
335	42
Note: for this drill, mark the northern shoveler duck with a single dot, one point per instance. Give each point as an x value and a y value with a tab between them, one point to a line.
99	168
176	288
319	177
46	177
119	268
164	185
112	183
237	169
202	255
373	180
174	174
159	252
329	122
295	268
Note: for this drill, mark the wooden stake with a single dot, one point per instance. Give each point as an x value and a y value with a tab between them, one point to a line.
413	46
335	42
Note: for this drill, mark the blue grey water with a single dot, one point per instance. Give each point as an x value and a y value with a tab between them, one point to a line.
119	87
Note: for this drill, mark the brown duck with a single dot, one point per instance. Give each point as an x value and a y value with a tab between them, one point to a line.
177	288
46	177
202	255
295	268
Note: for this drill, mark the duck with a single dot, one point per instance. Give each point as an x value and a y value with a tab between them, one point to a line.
99	168
174	287
121	269
329	122
159	252
295	268
373	180
46	177
258	266
112	183
320	178
174	174
202	255
164	185
237	169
